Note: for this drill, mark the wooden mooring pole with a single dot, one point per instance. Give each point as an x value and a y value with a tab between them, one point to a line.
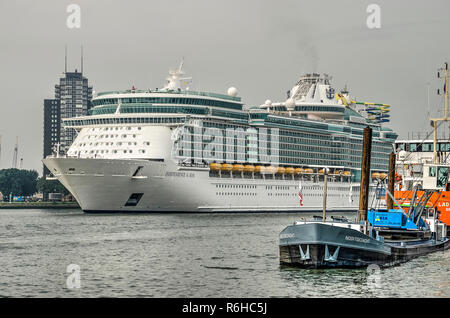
365	174
391	180
324	211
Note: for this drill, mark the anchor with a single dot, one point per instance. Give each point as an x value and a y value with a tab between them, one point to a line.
304	256
330	258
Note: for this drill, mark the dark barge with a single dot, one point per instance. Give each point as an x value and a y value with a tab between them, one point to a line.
346	245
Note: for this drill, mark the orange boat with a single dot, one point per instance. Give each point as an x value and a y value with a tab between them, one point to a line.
439	201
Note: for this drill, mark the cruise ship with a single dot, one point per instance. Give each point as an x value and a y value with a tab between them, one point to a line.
174	149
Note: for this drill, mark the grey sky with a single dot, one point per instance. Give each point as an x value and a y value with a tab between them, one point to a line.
261	47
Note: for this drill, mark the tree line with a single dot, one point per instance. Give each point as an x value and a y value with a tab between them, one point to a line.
19	182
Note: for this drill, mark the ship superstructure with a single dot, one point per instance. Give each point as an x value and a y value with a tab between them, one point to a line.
424	164
414	153
174	149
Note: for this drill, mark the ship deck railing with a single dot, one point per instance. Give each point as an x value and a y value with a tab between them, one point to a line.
183	92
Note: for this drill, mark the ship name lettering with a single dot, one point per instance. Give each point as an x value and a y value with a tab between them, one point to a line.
180	174
357	239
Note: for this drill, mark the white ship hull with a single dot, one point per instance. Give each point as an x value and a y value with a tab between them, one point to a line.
105	185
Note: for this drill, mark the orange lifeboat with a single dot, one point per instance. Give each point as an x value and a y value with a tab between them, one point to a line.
226	167
259	169
238	168
376	175
270	170
347	173
281	170
290	170
308	170
249	168
298	170
215	166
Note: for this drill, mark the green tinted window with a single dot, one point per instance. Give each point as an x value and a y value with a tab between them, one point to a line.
432	172
442	177
444	147
427	147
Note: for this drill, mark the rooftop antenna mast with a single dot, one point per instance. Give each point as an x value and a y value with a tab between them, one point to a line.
181	65
428	99
434	121
81	59
65	59
16	151
21	163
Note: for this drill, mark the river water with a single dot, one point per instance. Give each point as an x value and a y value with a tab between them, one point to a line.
183	255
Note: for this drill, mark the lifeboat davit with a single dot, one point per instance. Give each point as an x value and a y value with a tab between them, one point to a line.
215	166
249	168
226	167
238	168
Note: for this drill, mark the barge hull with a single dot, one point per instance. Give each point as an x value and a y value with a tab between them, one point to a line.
317	245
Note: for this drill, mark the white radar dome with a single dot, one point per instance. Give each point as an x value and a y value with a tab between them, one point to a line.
290	104
232	91
268	102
